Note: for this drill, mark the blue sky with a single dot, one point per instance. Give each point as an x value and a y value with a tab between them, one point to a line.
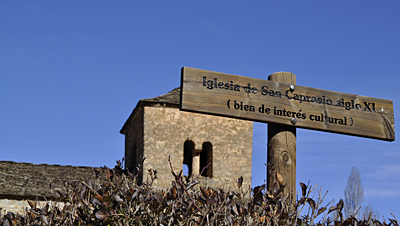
72	72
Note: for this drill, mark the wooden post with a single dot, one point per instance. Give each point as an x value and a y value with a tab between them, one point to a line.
281	152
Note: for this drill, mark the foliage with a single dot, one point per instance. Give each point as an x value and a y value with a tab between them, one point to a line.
120	201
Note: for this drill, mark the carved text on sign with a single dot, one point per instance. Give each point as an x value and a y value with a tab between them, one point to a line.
267	101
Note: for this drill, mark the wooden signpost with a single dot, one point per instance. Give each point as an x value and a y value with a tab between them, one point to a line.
285	106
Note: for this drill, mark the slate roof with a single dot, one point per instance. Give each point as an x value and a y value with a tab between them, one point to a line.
172	97
28	181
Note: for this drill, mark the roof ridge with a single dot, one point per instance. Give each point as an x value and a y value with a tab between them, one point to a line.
172	97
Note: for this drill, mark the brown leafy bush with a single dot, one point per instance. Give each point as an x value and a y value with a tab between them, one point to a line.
119	201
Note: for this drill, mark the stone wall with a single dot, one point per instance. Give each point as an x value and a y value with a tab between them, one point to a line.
134	142
19	206
157	129
166	129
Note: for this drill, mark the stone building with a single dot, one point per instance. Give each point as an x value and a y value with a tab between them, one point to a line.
21	181
157	129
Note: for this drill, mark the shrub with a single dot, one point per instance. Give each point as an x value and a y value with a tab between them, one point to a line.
120	201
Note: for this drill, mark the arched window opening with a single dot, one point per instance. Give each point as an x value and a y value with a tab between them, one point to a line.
188	157
206	158
185	170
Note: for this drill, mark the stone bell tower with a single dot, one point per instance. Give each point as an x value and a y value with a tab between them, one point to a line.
157	129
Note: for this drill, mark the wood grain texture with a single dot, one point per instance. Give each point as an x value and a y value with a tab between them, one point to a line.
281	151
214	93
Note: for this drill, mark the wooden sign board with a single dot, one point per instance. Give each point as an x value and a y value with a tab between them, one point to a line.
272	102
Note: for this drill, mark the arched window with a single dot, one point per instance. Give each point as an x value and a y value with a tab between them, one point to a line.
206	158
188	156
